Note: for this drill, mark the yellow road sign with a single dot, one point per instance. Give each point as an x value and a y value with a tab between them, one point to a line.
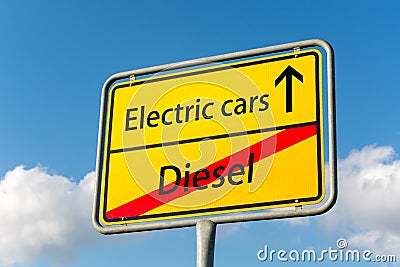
234	137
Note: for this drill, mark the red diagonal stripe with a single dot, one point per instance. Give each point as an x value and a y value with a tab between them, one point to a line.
261	150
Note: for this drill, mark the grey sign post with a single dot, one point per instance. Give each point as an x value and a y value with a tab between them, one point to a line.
205	233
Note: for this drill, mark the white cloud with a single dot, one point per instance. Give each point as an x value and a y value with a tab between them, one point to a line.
368	204
231	229
40	211
44	215
382	242
300	221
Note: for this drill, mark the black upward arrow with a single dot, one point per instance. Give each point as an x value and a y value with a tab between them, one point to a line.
288	73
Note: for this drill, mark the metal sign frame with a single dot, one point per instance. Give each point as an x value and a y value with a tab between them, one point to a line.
230	218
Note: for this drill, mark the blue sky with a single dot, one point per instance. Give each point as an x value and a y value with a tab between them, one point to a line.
55	57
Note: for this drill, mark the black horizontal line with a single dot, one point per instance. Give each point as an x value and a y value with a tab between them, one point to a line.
213	137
